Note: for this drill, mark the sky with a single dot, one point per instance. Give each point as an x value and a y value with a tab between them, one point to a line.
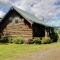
47	9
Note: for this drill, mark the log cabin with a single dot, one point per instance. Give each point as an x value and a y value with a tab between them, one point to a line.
18	22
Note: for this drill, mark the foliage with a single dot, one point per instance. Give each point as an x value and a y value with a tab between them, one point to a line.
18	40
4	39
54	36
37	40
46	40
9	39
59	38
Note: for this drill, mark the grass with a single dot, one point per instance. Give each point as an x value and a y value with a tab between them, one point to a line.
9	51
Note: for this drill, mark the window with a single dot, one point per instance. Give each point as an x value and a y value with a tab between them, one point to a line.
16	19
10	19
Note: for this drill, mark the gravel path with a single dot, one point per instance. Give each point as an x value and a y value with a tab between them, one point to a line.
52	54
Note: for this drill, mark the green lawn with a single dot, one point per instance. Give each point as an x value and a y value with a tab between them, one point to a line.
10	51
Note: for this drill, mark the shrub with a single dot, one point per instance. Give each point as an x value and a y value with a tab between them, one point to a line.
54	37
18	40
37	40
4	39
10	39
46	40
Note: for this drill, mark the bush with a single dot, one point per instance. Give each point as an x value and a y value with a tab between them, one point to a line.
37	40
46	40
9	39
18	40
4	39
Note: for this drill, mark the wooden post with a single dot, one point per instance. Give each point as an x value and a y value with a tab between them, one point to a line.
46	33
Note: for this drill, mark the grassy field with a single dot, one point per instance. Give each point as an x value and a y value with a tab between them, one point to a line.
10	51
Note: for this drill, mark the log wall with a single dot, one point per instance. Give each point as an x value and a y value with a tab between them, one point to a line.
20	28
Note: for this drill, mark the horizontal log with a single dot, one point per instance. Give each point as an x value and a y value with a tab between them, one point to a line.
18	27
26	37
18	31
21	24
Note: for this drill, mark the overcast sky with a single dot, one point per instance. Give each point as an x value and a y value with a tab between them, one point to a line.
49	9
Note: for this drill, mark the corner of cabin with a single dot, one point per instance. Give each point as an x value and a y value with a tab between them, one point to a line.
16	25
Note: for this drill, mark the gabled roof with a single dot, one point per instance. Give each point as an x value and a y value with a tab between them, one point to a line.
30	17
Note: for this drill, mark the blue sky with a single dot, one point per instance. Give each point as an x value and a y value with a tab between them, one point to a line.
4	7
49	9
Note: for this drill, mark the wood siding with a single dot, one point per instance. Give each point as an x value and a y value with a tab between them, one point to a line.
21	27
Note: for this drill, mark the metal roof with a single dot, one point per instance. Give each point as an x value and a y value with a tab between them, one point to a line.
32	18
29	16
